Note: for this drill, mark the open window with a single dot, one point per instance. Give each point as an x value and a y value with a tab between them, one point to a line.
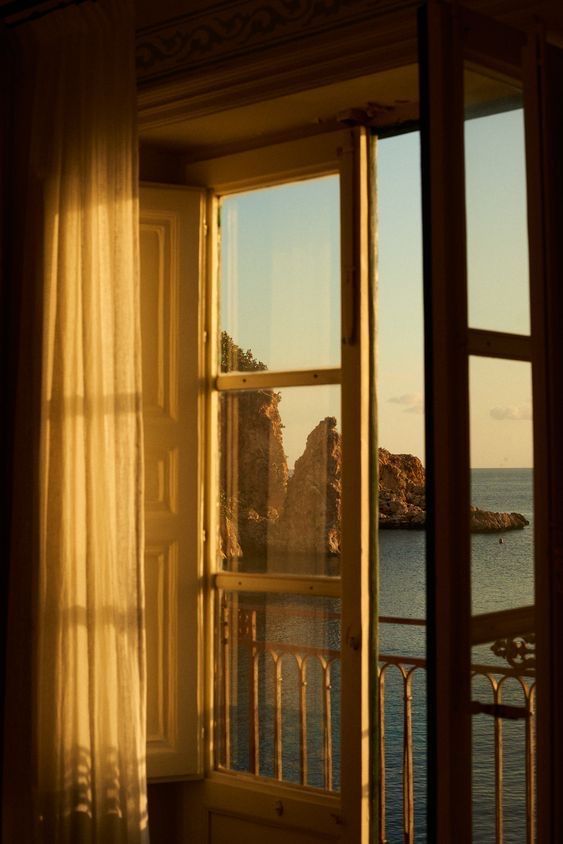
264	626
274	543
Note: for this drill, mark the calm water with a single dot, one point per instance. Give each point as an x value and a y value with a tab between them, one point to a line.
502	577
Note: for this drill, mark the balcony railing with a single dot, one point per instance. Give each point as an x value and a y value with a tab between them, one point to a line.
239	631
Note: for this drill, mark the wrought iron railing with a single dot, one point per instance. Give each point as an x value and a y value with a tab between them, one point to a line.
239	630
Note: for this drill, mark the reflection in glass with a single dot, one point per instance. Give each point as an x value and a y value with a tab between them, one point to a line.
280	274
279	687
281	480
495	178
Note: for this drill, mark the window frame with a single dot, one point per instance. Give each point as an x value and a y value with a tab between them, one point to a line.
449	36
346	154
165	97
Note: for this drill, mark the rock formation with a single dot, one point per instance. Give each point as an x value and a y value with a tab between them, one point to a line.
263	511
310	523
483	521
254	477
401	491
402	503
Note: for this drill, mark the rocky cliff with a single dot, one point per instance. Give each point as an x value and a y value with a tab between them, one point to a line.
402	502
483	521
254	478
310	523
311	518
264	511
401	491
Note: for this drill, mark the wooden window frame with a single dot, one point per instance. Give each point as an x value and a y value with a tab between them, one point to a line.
449	36
544	139
346	154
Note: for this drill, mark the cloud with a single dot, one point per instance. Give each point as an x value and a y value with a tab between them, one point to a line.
512	414
411	402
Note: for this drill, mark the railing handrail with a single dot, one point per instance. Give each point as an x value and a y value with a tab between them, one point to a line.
266	646
240	629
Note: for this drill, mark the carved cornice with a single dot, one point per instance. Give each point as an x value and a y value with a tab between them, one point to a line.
243	51
230	29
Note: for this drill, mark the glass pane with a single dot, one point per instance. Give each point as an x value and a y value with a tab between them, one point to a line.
502	582
401	714
280	470
497	237
400	375
501	482
279	687
280	275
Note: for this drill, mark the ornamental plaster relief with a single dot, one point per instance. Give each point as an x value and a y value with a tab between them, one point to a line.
231	29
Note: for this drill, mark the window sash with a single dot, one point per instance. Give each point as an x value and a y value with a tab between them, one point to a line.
347	154
448	38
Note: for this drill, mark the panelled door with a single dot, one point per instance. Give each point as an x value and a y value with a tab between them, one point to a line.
490	115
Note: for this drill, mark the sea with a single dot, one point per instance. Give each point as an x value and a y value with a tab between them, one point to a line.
502	578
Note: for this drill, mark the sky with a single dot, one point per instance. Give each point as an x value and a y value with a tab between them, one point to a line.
280	291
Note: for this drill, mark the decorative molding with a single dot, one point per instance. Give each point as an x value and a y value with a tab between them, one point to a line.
222	31
160	281
161	481
230	29
238	52
161	581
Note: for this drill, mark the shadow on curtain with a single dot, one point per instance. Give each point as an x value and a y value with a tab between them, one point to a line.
74	761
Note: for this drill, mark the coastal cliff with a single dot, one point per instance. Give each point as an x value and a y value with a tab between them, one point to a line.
483	521
310	522
254	478
265	510
401	491
402	500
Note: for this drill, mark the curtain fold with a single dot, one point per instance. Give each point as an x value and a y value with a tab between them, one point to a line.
82	500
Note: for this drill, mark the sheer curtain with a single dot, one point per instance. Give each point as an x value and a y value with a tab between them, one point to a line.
78	490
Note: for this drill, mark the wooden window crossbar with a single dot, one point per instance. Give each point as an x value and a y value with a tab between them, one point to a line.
320	586
499	344
267	379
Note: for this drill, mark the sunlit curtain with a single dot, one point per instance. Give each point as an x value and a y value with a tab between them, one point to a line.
79	253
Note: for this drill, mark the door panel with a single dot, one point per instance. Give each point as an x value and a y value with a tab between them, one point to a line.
171	240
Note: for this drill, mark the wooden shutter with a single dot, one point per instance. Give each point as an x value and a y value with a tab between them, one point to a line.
171	239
